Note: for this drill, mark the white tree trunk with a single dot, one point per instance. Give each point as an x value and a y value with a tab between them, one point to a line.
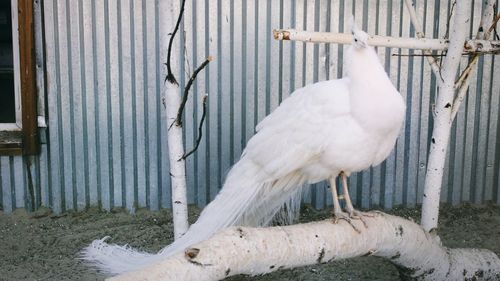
177	164
172	102
442	117
253	251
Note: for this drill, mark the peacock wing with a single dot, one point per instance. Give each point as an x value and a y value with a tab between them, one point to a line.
298	131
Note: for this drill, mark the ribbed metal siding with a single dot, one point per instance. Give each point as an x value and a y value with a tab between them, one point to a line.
107	133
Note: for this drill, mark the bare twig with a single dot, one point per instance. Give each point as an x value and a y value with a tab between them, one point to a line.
420	34
495	34
170	76
178	120
462	91
492	27
466	73
200	129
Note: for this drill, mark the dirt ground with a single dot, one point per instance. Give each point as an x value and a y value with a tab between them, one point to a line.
43	246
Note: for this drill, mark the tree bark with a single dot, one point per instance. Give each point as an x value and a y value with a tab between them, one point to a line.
177	163
442	120
253	251
471	46
172	102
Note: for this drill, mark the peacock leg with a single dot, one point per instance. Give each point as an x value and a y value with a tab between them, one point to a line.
354	214
337	211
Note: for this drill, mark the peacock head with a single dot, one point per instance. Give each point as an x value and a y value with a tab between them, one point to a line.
360	38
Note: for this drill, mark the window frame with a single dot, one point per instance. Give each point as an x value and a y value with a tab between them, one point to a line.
21	138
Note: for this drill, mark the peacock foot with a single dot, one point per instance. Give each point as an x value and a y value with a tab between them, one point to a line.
337	216
358	215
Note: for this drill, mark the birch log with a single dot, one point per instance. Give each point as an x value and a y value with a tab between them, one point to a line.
172	102
442	120
253	251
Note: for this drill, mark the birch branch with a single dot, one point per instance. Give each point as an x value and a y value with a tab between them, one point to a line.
420	34
463	81
384	41
462	91
462	85
478	47
200	128
493	26
178	120
373	40
170	76
239	250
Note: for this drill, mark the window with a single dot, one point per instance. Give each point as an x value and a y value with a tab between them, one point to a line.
7	95
18	116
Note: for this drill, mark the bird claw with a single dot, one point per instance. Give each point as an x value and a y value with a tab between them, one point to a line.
345	216
358	215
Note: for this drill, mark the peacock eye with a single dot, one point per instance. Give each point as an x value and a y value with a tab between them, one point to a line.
355	40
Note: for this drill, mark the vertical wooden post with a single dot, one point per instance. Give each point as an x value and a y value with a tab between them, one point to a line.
27	77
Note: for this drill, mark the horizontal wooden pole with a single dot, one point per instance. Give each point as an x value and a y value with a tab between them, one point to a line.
471	46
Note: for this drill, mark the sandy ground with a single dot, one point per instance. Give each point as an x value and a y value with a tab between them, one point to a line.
43	246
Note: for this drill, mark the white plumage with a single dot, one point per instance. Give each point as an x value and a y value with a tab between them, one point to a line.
322	130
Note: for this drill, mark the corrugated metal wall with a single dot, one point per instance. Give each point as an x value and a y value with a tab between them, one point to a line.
106	137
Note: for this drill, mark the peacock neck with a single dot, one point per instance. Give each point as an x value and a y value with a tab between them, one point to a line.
375	103
364	68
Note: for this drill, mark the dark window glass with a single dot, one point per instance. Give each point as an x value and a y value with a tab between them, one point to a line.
7	95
